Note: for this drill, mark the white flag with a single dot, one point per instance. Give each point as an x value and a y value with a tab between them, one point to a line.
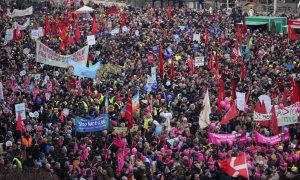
205	112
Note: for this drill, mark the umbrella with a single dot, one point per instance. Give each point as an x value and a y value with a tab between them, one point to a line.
250	4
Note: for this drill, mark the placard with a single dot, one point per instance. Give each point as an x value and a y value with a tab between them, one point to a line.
99	123
91	40
35	34
20	108
199	61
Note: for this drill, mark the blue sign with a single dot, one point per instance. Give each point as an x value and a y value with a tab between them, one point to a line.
99	123
196	47
155	49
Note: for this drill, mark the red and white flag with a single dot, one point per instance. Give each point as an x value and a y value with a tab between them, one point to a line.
235	166
236	53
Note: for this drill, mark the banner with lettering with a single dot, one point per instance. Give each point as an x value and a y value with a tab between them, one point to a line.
82	71
46	55
261	117
24	26
219	138
288	115
99	123
19	12
272	139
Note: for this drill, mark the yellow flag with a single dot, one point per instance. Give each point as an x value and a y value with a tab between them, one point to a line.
250	43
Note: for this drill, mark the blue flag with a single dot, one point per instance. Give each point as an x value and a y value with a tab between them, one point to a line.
82	71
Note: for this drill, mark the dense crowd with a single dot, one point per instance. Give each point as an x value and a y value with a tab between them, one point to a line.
182	150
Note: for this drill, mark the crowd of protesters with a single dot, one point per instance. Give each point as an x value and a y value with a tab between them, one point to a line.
57	149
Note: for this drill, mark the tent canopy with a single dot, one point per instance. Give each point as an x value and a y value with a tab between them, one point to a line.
84	9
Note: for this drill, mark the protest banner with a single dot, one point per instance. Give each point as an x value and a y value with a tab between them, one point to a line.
46	55
199	61
196	37
91	40
216	138
261	117
82	71
9	35
99	123
20	108
110	69
288	115
19	12
24	26
41	31
120	130
134	129
272	140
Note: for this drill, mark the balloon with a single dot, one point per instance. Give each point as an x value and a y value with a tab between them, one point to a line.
226	100
249	139
281	106
169	97
230	143
286	130
246	108
223	104
133	151
145	88
298	110
213	126
227	107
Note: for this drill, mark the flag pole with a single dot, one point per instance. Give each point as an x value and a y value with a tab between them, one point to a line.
246	162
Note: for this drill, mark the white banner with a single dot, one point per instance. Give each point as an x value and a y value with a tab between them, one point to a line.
9	35
91	40
46	55
287	115
24	26
199	61
20	13
240	100
261	117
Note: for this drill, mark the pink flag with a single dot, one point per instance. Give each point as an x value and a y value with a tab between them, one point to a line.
118	141
85	154
47	96
49	87
75	148
121	163
78	84
26	83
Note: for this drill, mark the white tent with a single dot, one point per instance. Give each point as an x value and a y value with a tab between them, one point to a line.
84	9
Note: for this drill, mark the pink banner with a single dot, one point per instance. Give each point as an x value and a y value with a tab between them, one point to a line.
272	139
215	138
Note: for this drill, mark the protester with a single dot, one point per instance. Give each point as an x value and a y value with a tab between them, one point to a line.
183	118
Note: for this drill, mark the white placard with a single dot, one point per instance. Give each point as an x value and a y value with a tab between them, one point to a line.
20	108
196	37
153	73
91	40
199	61
35	34
124	29
41	31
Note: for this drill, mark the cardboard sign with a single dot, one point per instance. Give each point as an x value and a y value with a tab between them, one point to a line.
20	108
120	129
91	40
35	34
199	61
41	31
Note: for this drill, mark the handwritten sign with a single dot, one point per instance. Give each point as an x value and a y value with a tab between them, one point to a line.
91	40
199	61
20	108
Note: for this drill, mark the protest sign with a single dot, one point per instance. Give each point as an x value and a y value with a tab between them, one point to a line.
120	130
288	115
20	108
134	129
1	92
99	123
199	61
150	58
34	34
240	100
9	35
82	71
215	138
46	55
110	68
153	73
272	139
19	12
158	130
24	26
91	40
196	37
41	31
261	117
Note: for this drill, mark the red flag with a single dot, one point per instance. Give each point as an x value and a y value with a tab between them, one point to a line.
206	40
94	26
292	35
123	21
161	63
217	61
295	95
20	124
62	46
54	30
191	65
239	33
261	108
64	35
118	141
77	34
172	74
66	2
47	26
235	166
231	114
16	34
71	40
274	123
61	117
128	112
284	95
233	92
221	95
217	76
236	51
112	10
244	26
121	163
243	76
211	62
169	12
